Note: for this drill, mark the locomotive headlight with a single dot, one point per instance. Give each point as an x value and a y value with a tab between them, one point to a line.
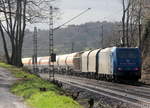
136	69
119	69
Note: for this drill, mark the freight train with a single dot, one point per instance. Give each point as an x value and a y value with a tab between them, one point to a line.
112	63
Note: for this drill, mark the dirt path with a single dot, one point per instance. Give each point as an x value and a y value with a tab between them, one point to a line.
7	99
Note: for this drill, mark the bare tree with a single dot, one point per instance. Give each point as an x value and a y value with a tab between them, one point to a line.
146	40
15	14
132	22
125	21
140	16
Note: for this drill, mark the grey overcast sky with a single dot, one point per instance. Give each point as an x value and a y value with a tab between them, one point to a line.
108	10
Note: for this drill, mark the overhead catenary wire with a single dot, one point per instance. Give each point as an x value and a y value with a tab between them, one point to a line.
72	18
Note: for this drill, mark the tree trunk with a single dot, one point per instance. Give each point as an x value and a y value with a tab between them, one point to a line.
127	29
145	42
4	44
123	24
139	24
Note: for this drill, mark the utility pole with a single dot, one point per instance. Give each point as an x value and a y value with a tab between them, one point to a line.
52	56
102	39
72	47
101	35
34	58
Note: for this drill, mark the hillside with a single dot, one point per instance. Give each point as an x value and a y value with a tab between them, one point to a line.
80	37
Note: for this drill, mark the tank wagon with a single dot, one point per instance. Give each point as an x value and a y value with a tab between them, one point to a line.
109	63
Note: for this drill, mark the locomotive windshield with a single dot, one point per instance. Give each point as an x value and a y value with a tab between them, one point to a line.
131	54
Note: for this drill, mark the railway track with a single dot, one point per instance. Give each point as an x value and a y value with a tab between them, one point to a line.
135	95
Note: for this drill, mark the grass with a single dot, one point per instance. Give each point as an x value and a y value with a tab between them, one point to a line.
29	87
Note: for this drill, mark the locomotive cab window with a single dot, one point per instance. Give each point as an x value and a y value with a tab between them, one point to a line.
127	54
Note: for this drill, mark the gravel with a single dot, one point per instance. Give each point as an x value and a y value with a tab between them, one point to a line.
99	100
